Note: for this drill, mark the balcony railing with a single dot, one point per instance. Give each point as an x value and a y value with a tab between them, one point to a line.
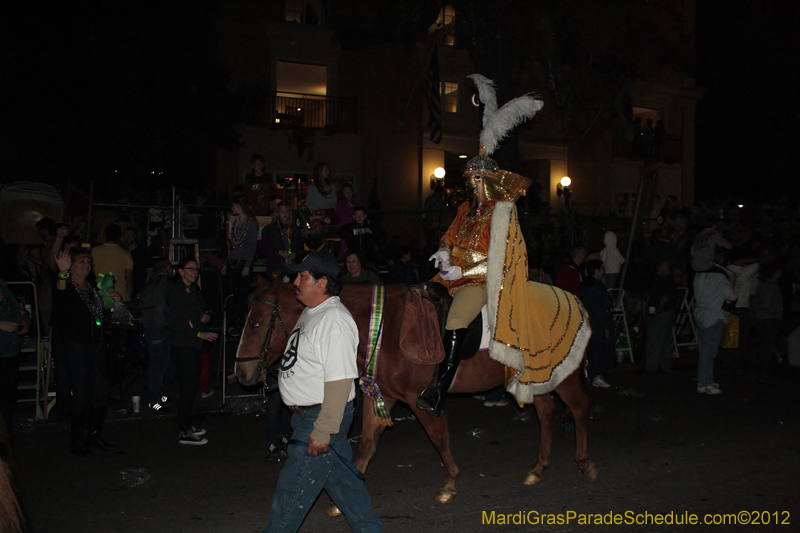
333	114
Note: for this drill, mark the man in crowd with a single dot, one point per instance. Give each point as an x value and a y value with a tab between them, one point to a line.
110	257
569	276
360	236
711	290
316	382
142	260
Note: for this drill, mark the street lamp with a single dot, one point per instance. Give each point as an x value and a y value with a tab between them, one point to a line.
562	189
438	177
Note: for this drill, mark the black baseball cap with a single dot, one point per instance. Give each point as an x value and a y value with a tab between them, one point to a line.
322	261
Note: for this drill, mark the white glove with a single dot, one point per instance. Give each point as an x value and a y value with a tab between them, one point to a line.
451	274
441	257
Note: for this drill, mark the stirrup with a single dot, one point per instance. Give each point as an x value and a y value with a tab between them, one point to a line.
430	405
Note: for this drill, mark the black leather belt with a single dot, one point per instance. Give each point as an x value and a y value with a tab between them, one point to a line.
300	410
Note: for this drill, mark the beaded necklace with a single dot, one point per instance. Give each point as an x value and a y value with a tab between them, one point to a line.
238	240
95	304
286	236
239	233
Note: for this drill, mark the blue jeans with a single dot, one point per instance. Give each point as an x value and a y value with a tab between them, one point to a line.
304	477
708	344
278	416
159	344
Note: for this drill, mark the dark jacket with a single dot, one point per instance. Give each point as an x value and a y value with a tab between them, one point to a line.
186	307
154	301
72	318
273	240
360	241
595	299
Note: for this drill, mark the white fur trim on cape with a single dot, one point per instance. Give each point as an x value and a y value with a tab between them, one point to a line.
511	357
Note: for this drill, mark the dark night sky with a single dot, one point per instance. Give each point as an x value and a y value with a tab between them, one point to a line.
86	86
747	135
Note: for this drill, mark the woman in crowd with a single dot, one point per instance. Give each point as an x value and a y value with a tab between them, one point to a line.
345	205
321	194
356	273
188	324
78	318
601	350
281	242
243	240
13	323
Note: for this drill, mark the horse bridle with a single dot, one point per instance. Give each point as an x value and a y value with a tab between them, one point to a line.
261	357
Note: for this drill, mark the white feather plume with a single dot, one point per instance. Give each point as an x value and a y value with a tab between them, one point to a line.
498	123
488	95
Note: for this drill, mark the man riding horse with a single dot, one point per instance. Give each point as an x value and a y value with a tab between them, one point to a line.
483	261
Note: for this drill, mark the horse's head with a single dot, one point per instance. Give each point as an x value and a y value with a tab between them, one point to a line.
264	334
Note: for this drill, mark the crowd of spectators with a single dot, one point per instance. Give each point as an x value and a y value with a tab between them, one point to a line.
730	260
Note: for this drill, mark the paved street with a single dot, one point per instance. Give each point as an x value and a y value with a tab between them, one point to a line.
660	448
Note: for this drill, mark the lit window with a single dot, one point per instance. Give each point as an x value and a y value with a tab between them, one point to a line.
450	96
304	11
445	24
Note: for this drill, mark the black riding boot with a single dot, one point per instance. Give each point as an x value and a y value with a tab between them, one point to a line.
96	433
77	445
431	398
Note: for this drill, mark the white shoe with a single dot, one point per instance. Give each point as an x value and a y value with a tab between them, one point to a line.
192	440
598	381
496	403
711	389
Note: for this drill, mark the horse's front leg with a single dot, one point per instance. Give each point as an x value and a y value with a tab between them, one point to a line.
436	428
546	411
371	433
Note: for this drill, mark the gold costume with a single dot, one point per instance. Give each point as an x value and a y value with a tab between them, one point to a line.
467	238
539	332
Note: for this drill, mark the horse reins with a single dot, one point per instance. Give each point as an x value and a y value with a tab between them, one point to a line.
261	357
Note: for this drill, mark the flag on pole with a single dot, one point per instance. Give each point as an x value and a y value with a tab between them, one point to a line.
434	95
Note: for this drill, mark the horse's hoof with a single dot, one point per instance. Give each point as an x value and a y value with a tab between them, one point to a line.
589	471
532	479
445	496
333	511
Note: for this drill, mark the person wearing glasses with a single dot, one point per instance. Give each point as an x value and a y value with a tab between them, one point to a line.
188	324
356	273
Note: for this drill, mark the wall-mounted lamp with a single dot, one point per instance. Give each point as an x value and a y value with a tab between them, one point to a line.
438	177
562	189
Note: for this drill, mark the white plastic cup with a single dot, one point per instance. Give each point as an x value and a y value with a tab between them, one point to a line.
137	403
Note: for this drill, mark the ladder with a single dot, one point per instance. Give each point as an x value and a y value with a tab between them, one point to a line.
621	322
684	330
35	357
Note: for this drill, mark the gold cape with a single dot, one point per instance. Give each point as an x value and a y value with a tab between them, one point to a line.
539	332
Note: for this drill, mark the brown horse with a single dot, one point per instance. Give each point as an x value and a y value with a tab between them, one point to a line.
274	312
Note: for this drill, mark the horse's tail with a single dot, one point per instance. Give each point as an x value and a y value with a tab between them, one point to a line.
586	383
